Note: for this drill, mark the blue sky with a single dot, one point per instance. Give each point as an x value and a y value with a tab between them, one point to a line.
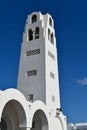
70	17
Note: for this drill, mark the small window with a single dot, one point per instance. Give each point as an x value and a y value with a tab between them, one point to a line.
50	21
51	55
52	39
30	35
37	33
31	73
48	34
34	18
33	52
52	75
30	97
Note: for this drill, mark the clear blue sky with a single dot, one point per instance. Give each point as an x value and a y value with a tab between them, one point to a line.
70	18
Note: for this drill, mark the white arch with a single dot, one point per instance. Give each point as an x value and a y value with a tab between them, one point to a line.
29	109
13	94
34	107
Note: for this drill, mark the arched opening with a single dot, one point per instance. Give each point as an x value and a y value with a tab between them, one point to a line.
13	117
50	21
37	33
52	39
34	18
39	121
48	34
30	35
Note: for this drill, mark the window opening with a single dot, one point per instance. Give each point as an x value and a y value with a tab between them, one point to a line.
30	35
52	39
52	75
34	18
51	55
48	34
30	97
33	52
50	21
37	33
31	73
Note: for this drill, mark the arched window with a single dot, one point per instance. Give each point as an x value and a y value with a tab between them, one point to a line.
30	35
37	33
48	34
50	21
34	18
52	39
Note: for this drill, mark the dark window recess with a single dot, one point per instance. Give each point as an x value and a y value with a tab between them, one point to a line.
50	21
48	34
30	97
33	52
31	73
52	75
34	18
30	35
52	39
37	33
51	55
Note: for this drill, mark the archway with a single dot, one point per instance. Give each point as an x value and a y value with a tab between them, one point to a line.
13	117
39	121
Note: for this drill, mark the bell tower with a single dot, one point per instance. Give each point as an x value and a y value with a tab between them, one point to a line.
38	68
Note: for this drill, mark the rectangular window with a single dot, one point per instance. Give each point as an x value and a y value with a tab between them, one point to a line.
31	73
52	75
33	52
51	55
30	97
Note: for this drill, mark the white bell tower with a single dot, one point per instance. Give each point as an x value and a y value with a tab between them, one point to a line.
38	68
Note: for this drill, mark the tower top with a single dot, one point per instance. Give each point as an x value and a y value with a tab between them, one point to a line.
38	16
39	26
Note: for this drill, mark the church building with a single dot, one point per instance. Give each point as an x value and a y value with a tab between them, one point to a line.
35	104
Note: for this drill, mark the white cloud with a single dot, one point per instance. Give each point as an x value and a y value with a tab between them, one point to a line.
82	81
